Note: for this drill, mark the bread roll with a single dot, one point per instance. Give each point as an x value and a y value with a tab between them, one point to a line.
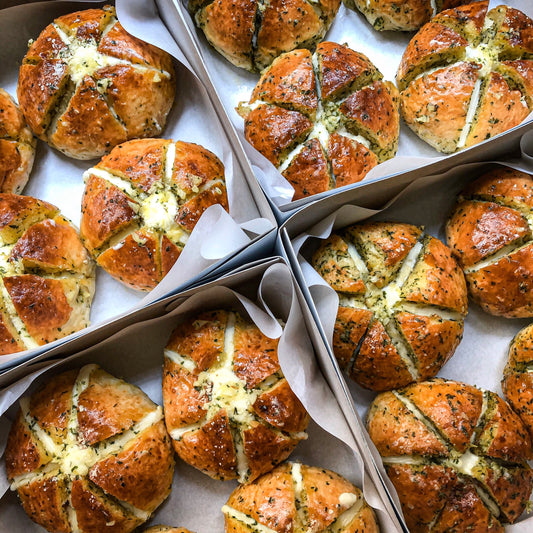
455	454
490	235
102	86
228	408
467	76
323	137
402	302
404	16
17	146
47	276
295	497
141	203
252	33
517	383
89	452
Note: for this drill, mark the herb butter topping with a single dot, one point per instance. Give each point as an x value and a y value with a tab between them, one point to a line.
71	459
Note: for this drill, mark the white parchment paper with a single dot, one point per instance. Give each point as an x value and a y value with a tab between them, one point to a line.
482	354
135	354
384	49
58	179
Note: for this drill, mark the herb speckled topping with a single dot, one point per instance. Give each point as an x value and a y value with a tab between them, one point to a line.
252	33
408	15
89	452
47	276
86	85
490	232
402	302
17	146
456	455
466	76
517	383
299	498
228	408
141	203
324	120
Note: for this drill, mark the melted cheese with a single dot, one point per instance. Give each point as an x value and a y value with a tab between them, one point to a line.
252	524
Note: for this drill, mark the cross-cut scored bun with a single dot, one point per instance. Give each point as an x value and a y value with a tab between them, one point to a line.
252	33
141	203
89	452
17	146
228	408
47	276
489	233
517	383
323	120
466	76
402	302
405	16
455	454
296	497
86	85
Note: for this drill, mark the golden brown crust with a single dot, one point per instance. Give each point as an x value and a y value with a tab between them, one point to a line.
89	103
517	383
481	86
490	237
295	496
17	146
251	33
402	302
487	450
110	484
142	201
47	275
321	145
228	407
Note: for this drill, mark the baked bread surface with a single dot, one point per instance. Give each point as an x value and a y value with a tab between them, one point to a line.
47	276
89	452
17	146
455	454
320	138
228	408
489	234
467	75
517	383
405	16
402	302
98	85
296	497
252	33
141	203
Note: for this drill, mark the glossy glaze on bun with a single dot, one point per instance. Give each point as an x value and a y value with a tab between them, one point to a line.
86	85
228	408
467	75
89	452
405	16
141	203
17	146
402	302
456	455
326	135
252	33
47	276
489	233
296	497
